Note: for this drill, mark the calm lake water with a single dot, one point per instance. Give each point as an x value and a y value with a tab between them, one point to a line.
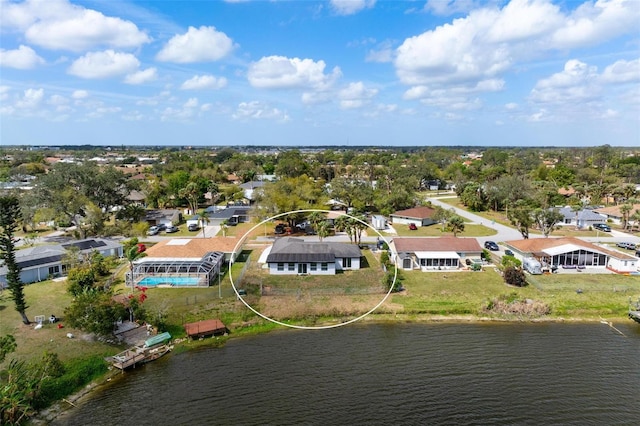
413	374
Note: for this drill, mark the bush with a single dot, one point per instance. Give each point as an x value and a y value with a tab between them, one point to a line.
515	276
511	261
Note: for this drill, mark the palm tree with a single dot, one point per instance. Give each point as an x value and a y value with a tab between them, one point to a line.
455	224
322	229
343	224
132	254
223	228
203	219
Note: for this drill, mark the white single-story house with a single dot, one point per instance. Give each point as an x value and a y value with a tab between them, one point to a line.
43	262
420	216
292	256
614	213
163	217
573	253
425	253
582	218
251	189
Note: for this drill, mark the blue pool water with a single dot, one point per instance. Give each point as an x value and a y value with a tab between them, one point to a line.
177	281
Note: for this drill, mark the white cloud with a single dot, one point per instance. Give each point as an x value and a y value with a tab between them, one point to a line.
60	25
191	103
491	40
595	22
279	72
141	77
355	95
622	72
31	99
199	82
258	110
382	53
204	44
576	83
23	58
351	7
104	65
80	94
511	106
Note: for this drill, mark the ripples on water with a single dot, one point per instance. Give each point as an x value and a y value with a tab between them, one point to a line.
422	374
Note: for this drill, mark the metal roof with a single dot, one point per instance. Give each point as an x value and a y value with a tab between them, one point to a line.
299	250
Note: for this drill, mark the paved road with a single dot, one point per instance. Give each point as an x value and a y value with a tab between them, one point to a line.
504	233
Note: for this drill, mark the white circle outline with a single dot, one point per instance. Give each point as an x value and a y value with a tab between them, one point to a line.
322	327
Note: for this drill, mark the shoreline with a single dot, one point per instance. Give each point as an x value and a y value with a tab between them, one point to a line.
60	407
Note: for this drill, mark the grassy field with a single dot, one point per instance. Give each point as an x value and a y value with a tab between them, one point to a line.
470	230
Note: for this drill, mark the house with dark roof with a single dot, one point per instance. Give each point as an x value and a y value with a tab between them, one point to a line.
233	215
420	216
573	253
292	256
163	216
425	253
43	262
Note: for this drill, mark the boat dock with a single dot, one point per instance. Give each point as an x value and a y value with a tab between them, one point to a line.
153	348
204	328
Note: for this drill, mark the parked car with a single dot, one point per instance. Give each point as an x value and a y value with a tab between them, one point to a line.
193	227
170	229
628	246
279	228
153	230
508	252
491	245
161	226
413	227
602	227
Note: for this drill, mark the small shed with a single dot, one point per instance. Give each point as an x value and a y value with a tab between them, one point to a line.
210	327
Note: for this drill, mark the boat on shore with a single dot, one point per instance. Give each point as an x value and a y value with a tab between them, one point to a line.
152	349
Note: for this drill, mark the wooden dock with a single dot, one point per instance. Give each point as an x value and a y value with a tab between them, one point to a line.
138	355
204	328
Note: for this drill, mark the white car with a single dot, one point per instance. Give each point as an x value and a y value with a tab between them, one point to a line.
153	230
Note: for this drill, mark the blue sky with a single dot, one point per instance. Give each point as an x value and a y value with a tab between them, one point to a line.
303	73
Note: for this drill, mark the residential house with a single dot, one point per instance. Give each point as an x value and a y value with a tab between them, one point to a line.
573	253
434	253
189	262
291	256
252	189
581	218
233	215
40	263
163	216
420	216
614	214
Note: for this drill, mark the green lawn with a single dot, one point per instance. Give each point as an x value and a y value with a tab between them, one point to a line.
436	293
470	230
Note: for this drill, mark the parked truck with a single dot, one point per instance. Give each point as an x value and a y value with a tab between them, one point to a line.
532	266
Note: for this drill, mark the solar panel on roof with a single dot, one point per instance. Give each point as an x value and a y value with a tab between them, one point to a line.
84	245
39	261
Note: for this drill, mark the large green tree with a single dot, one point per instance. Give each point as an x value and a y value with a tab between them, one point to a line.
10	216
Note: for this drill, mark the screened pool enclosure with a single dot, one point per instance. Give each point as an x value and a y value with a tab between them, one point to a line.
176	272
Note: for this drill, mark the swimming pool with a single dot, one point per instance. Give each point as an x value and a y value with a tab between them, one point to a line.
173	281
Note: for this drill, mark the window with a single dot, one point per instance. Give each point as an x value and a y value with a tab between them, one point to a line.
280	266
53	270
314	266
346	262
324	266
292	266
